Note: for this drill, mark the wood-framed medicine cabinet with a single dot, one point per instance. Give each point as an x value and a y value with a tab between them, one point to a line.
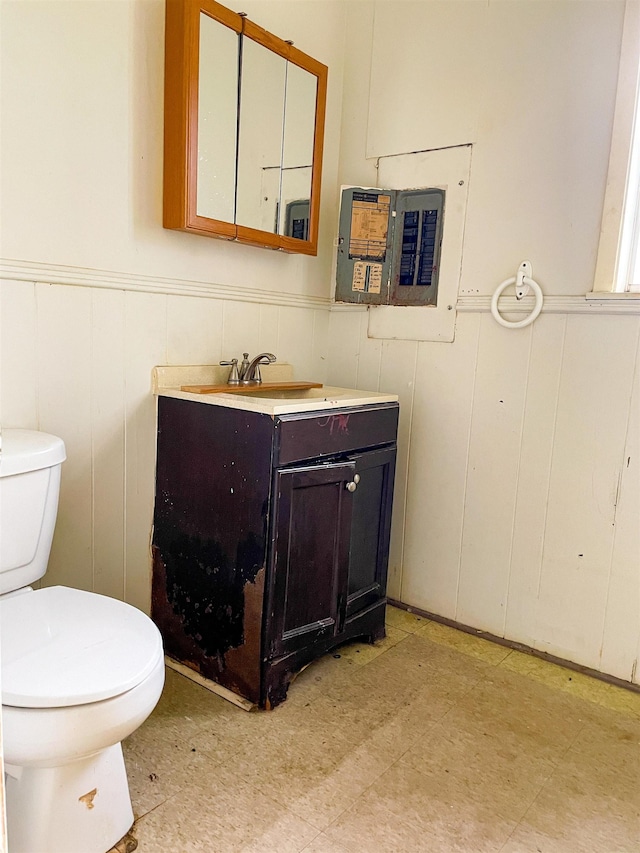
243	130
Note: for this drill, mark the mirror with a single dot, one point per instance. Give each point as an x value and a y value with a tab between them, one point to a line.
217	120
262	106
244	127
297	147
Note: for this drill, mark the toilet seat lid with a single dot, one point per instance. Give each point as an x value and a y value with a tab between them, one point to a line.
63	646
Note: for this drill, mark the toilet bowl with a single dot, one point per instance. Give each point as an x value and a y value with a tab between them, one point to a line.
80	672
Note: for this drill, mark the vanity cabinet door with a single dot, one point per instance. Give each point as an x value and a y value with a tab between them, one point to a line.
310	555
370	528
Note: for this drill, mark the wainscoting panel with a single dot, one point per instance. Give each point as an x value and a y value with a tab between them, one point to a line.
76	362
522	482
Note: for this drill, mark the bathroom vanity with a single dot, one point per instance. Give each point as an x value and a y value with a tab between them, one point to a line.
271	530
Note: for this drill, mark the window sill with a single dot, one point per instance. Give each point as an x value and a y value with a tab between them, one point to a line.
598	295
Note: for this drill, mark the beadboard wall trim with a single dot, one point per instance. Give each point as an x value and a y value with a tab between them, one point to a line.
590	304
627	304
44	273
41	273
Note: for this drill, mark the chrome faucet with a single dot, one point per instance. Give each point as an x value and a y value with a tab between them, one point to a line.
234	376
251	375
249	371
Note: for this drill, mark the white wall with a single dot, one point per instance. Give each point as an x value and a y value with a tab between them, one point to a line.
518	491
531	84
94	292
76	361
81	158
518	474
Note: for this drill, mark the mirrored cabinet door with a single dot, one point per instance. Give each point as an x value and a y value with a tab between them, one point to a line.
262	109
219	50
297	152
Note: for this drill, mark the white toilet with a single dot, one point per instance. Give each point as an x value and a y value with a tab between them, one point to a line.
80	672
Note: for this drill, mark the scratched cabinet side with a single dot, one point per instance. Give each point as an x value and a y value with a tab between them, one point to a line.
210	539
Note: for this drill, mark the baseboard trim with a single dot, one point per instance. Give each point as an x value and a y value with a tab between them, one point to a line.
520	647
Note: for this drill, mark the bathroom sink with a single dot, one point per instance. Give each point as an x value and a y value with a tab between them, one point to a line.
280	402
168	381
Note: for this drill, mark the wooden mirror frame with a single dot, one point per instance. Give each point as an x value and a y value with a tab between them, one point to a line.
182	49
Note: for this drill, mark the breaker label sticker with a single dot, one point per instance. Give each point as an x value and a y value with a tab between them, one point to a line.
367	278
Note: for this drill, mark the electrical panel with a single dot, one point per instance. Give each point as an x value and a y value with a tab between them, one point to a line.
297	215
389	246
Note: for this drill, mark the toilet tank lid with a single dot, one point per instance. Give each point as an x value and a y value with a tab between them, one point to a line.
25	450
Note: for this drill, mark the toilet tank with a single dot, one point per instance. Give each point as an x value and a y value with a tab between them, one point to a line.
30	464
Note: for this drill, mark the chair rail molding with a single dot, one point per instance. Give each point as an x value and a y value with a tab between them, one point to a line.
38	272
590	304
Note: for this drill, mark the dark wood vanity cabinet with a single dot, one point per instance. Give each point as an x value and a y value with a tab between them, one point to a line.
271	537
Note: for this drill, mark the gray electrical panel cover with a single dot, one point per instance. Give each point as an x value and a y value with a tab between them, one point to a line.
389	246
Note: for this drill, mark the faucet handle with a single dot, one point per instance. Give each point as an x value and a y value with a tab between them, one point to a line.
234	378
245	364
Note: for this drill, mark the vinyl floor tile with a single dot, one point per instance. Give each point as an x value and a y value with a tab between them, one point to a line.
526	839
322	844
236	733
363	653
574	683
416	661
619	699
585	799
521	710
185	707
613	740
333	668
298	757
468	644
494	765
220	813
537	669
405	620
412	722
408	810
323	801
425	742
364	763
157	768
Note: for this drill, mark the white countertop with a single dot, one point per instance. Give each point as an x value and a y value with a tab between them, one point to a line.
167	380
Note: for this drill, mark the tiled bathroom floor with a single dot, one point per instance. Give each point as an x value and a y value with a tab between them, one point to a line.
433	740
